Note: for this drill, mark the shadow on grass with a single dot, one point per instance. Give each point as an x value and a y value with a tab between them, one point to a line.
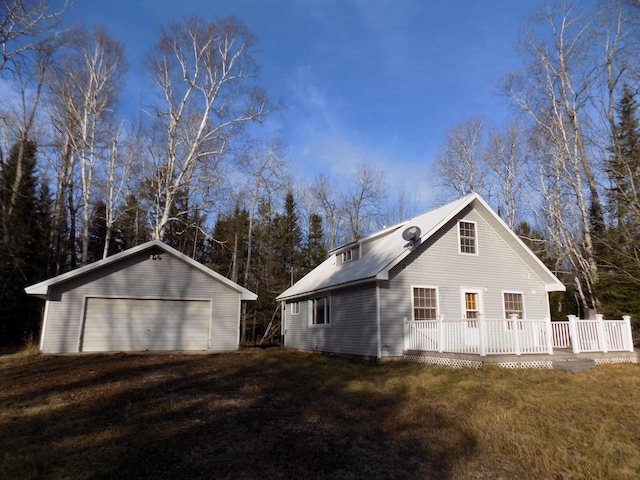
257	414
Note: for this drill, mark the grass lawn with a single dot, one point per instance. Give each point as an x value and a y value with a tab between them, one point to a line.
262	414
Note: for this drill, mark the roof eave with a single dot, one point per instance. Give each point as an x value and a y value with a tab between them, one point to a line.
41	289
283	297
555	287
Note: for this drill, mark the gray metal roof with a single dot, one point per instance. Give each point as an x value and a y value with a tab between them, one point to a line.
41	289
388	248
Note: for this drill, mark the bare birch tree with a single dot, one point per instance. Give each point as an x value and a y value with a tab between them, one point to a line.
265	168
26	26
88	77
571	57
506	157
203	73
459	164
116	183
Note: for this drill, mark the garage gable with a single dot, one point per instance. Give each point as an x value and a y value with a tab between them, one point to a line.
149	298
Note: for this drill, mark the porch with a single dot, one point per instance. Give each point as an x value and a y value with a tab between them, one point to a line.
517	343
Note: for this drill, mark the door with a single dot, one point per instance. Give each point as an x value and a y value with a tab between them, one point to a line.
129	324
471	309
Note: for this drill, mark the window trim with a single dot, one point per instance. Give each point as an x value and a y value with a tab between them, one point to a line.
413	307
296	310
475	237
327	310
508	323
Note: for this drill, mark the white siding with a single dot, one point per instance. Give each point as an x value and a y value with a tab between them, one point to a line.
437	262
138	276
353	329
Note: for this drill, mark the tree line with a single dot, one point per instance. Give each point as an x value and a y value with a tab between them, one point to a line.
564	170
81	180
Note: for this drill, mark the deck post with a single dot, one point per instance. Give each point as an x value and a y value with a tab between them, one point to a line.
516	333
628	332
440	333
407	334
573	333
549	334
603	343
482	334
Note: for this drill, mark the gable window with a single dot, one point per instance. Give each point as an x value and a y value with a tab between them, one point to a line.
347	256
425	303
513	305
295	308
467	236
320	312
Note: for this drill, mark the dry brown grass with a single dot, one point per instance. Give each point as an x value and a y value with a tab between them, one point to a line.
282	414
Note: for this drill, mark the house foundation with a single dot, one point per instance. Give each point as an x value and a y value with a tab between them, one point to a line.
561	359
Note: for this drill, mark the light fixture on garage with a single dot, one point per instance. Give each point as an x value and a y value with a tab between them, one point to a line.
155	256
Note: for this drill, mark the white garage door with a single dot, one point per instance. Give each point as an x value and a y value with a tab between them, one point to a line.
125	324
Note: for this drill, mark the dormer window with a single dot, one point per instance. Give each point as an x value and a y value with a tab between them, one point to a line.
348	255
468	239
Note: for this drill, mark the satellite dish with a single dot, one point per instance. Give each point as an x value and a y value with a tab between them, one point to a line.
411	234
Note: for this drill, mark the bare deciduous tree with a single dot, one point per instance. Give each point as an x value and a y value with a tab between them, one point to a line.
459	165
573	55
363	202
506	156
25	26
88	76
324	193
203	72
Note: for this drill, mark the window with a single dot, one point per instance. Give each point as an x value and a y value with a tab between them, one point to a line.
348	255
295	308
320	311
471	308
513	304
467	235
425	303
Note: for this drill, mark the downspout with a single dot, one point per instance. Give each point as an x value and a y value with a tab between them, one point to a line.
379	337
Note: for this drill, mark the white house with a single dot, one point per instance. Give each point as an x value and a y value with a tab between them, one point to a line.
449	286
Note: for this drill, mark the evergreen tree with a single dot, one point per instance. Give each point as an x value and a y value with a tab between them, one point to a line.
618	247
227	250
97	235
266	271
315	251
186	230
131	226
623	165
287	244
24	255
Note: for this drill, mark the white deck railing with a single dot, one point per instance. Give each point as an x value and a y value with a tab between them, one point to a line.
484	336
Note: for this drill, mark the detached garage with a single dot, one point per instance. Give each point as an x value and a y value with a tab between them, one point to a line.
148	298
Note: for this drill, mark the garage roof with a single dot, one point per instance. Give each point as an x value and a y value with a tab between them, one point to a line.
41	289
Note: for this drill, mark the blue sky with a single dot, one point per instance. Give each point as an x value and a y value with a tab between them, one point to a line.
363	80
